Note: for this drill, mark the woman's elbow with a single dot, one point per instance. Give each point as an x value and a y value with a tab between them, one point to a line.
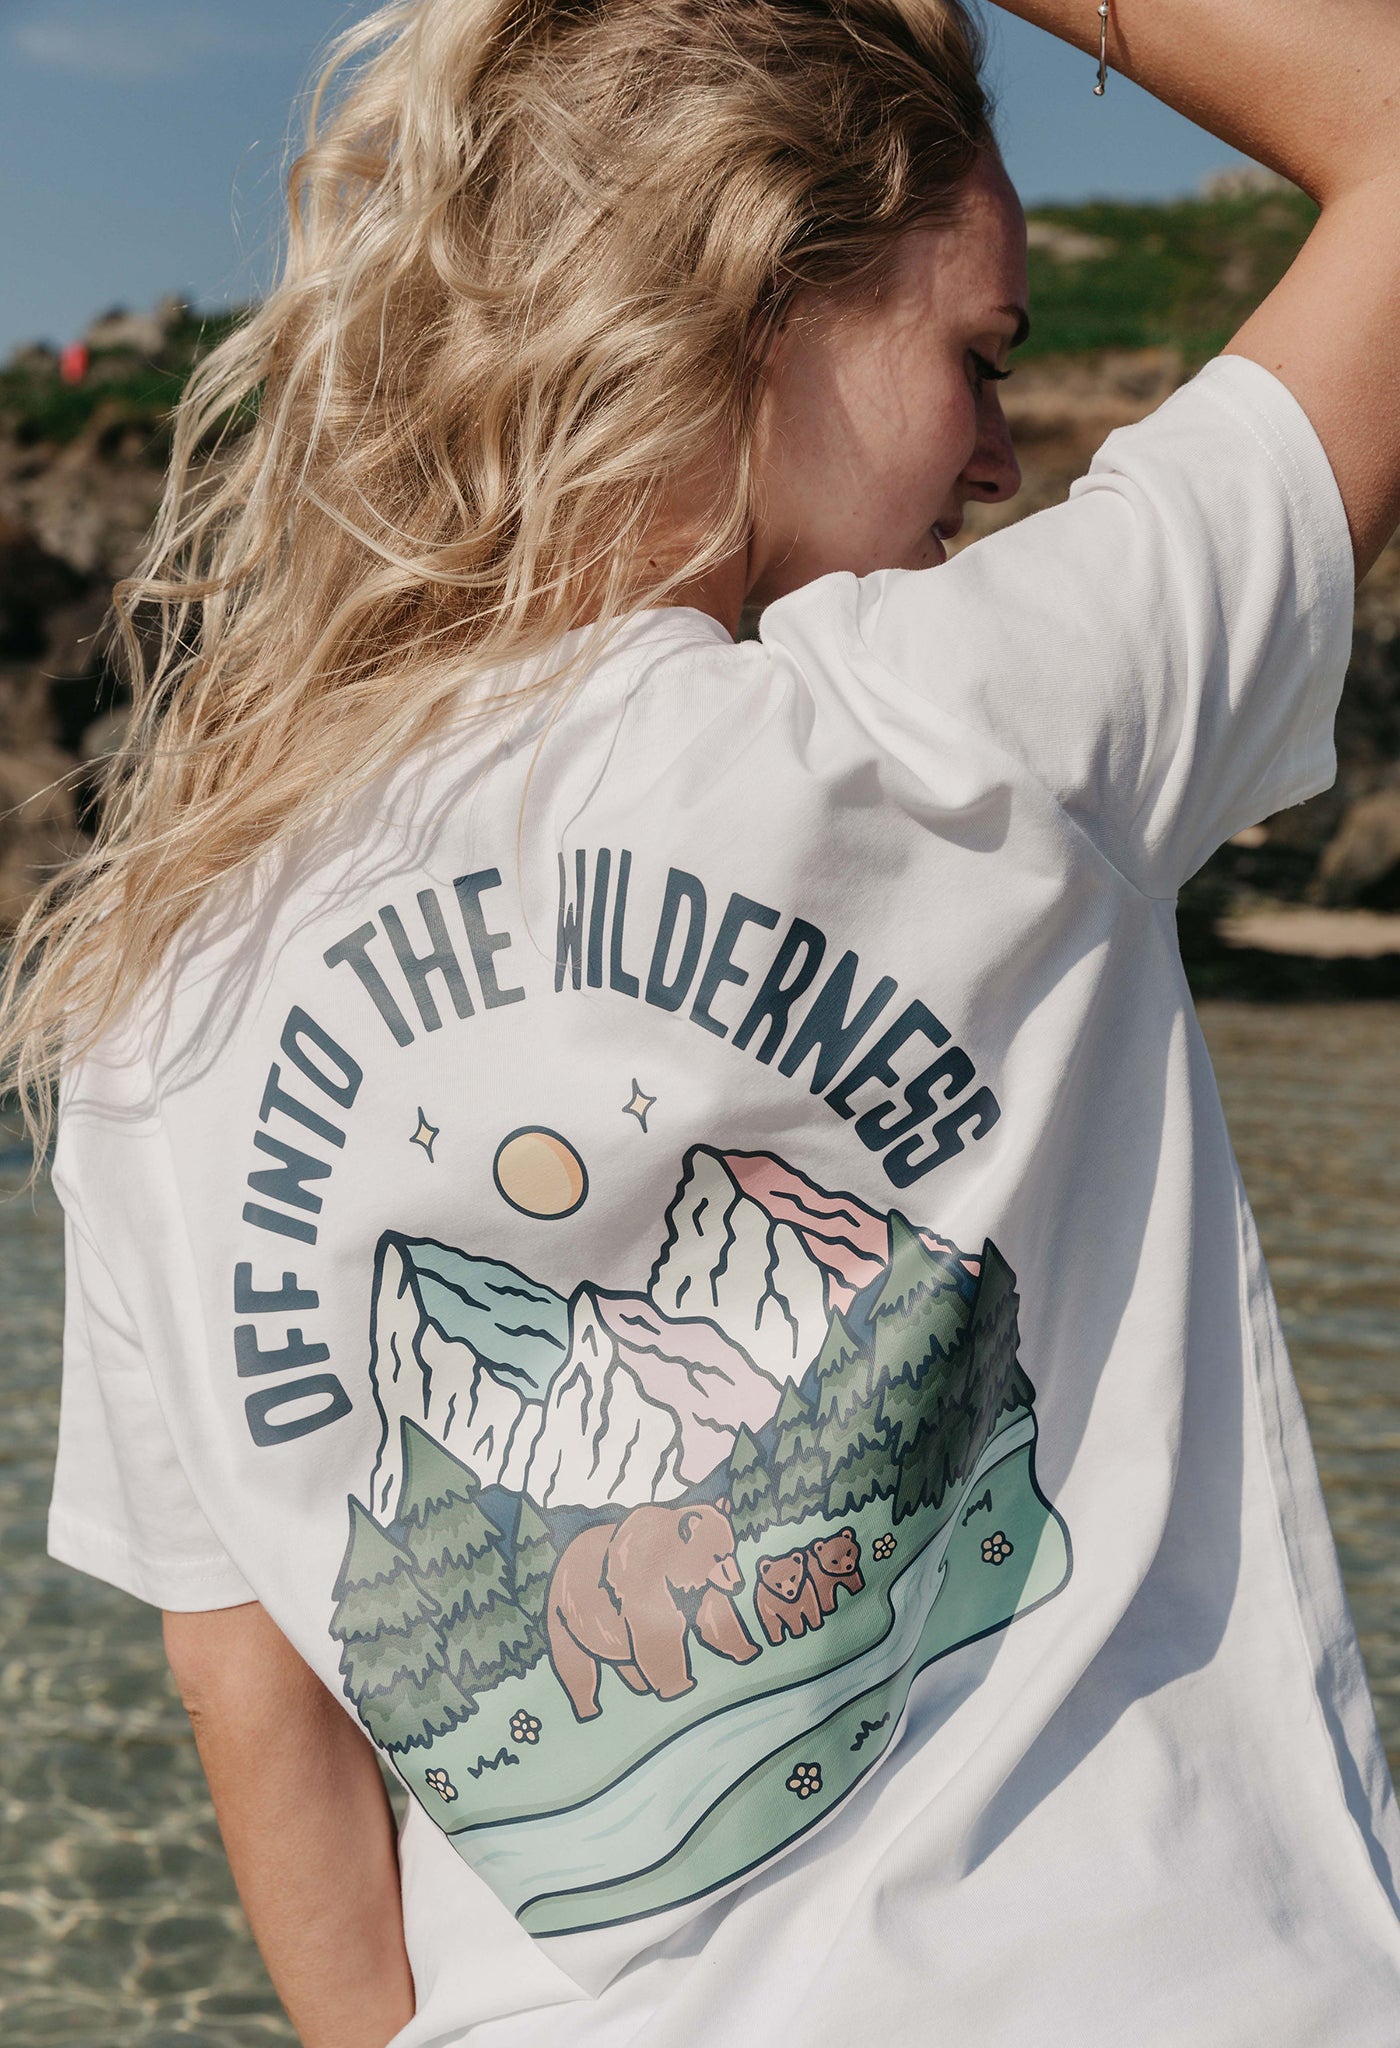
221	1655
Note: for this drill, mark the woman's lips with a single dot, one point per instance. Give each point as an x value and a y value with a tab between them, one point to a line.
942	531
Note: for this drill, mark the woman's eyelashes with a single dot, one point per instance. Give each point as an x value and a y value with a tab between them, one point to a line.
985	372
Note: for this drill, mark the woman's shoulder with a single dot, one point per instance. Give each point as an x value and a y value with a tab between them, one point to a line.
1160	654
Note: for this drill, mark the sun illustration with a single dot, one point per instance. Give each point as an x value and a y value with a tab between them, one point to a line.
539	1173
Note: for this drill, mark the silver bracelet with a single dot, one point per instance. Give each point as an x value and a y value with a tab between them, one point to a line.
1103	49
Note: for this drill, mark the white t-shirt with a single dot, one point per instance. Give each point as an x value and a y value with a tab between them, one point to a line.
685	1247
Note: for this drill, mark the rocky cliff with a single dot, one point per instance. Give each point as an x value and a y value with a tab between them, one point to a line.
1127	301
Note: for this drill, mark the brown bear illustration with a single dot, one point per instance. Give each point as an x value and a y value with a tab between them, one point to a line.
629	1592
834	1561
785	1600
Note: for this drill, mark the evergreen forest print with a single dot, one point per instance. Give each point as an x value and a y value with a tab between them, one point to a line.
437	1608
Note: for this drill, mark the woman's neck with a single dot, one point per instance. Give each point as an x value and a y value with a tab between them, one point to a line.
720	592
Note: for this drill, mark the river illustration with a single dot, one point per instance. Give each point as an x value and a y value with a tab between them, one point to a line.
643	1821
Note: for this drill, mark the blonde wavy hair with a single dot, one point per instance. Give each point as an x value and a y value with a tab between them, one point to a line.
537	251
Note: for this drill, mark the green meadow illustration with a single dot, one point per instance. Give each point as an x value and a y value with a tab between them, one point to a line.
640	1582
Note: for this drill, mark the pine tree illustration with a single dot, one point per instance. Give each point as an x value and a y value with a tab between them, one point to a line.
847	1422
531	1571
393	1659
900	1417
982	1380
457	1553
959	1448
534	1559
920	1318
845	1376
924	1463
916	1278
999	1382
752	1506
862	1476
798	1467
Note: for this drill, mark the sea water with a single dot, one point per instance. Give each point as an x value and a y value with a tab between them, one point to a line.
118	1922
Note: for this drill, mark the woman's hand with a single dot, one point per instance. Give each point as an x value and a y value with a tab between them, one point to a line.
306	1822
1313	92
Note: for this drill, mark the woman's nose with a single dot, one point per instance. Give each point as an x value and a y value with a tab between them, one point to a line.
993	474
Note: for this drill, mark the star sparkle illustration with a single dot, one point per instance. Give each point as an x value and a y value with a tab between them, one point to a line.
639	1105
425	1135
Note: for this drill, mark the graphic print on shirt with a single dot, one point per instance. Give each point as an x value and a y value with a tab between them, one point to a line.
640	1581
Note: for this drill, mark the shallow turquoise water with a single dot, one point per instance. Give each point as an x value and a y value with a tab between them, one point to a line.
1313	1099
118	1923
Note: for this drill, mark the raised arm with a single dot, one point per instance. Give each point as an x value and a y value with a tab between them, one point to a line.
1313	91
306	1824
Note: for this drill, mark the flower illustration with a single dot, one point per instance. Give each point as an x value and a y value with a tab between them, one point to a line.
996	1548
805	1780
883	1547
524	1727
440	1783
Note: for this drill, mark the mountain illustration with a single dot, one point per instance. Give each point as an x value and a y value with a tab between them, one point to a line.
611	1398
646	1406
640	1405
514	1324
766	1252
465	1347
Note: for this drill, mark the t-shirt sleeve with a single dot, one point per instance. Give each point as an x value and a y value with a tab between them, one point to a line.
122	1506
1164	652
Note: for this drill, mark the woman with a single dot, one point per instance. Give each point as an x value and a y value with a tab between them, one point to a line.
649	1225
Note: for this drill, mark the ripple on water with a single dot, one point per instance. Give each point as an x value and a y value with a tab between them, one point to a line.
1311	1096
119	1927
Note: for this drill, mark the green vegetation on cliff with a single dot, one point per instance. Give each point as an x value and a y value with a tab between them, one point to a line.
130	388
1109	275
1103	275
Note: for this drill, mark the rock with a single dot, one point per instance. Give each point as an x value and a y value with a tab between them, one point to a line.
1238	273
141	333
26	714
1306	828
1362	863
35	359
1242	181
38	825
33	582
1066	245
88	503
1313	934
34	783
1368	721
105	735
75	643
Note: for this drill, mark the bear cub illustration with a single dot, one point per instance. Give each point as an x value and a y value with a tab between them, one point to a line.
628	1593
833	1562
785	1599
798	1590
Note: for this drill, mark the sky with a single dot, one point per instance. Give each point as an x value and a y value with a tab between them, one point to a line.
143	142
